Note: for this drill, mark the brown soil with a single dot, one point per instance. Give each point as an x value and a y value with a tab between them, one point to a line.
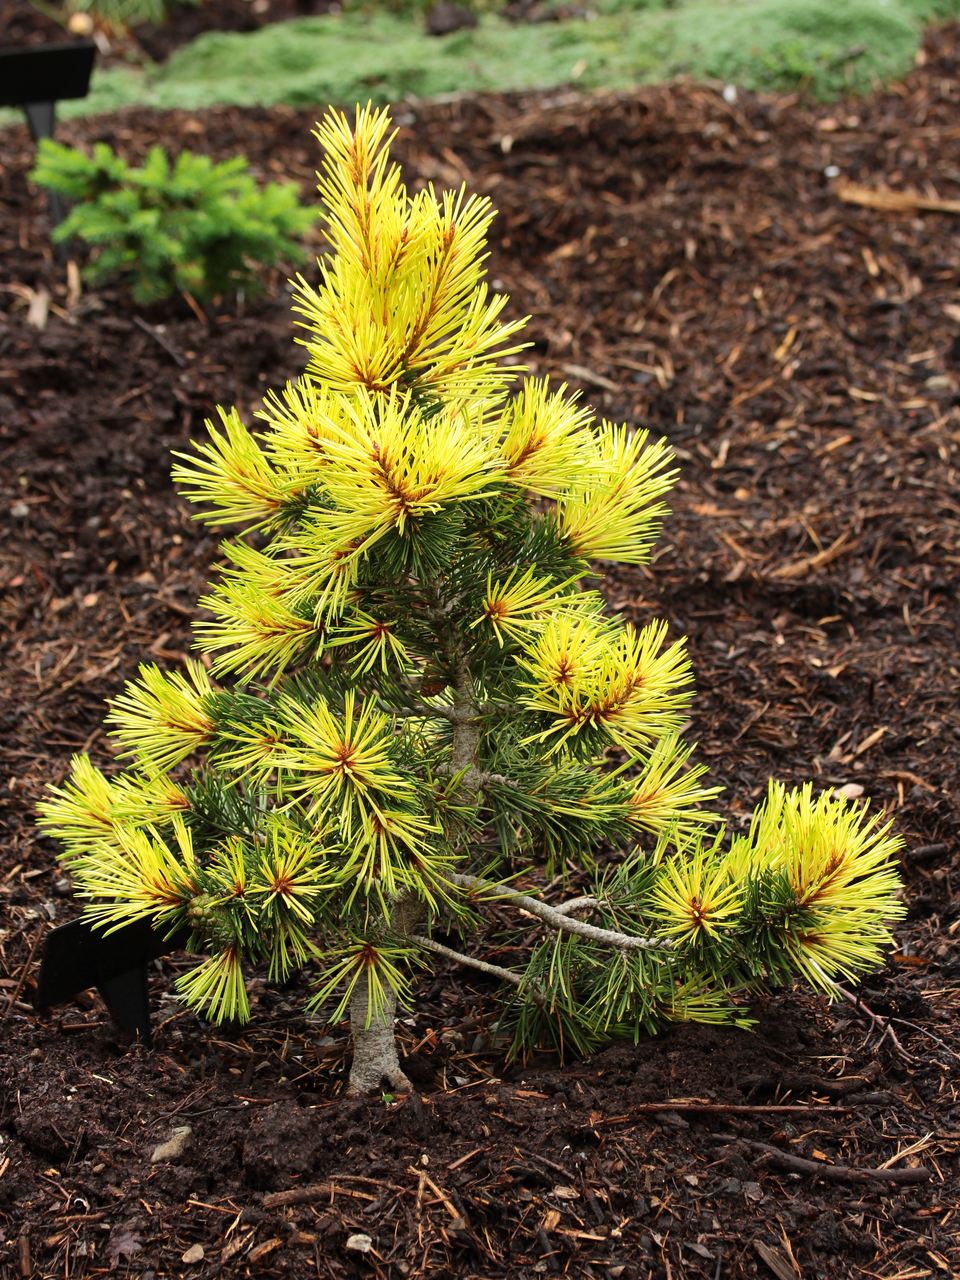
22	25
689	263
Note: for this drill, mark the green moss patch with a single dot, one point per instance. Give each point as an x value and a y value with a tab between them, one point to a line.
821	47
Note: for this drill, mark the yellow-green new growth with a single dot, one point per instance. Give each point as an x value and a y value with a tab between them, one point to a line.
414	698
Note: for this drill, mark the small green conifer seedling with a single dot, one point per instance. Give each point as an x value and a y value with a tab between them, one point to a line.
187	226
414	701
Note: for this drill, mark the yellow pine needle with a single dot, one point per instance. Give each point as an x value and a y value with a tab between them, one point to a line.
89	810
565	653
377	965
617	517
667	793
147	800
359	187
81	813
258	614
345	758
516	604
145	878
840	862
329	566
547	442
163	718
393	851
231	475
402	299
377	643
693	896
292	872
634	689
391	464
835	850
216	989
298	426
254	747
227	872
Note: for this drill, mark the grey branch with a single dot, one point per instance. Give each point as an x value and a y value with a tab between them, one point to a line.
483	779
419	711
576	904
558	918
494	970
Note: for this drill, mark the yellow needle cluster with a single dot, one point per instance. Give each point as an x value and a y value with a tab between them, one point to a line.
402	301
840	863
819	872
401	418
589	672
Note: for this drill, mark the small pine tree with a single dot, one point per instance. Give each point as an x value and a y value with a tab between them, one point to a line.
188	225
431	701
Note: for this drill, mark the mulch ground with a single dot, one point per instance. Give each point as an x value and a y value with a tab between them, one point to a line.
688	262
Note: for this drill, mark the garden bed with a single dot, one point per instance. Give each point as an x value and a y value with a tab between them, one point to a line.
689	263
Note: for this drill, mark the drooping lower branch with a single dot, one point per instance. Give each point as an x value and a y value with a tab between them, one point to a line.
558	918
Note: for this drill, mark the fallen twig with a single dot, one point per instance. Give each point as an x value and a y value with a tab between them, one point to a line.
835	1172
724	1108
310	1193
21	981
158	338
875	1020
889	201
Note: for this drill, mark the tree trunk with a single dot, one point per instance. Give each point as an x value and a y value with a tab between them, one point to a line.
375	1058
375	1061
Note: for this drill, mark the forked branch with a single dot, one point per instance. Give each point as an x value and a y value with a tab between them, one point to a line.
561	918
460	957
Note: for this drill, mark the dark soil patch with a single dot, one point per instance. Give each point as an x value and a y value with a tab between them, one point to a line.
23	25
689	264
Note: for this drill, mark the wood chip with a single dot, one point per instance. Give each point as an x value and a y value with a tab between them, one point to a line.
889	201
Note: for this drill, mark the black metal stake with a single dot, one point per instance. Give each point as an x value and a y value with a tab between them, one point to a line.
41	120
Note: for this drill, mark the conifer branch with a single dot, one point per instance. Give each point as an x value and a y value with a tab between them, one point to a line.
418	711
459	957
577	904
558	919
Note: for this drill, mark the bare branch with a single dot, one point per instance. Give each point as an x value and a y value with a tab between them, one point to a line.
419	711
483	779
494	970
557	919
576	904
